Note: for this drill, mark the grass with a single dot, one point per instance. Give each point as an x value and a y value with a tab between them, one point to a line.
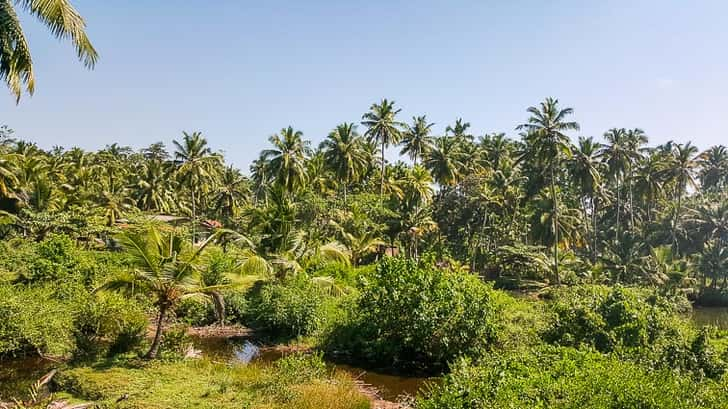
205	384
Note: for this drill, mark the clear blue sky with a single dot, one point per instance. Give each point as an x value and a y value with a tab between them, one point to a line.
239	71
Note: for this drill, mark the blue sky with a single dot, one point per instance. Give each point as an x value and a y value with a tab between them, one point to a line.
239	71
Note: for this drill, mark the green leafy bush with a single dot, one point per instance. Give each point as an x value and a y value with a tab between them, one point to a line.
195	312
33	320
406	315
290	308
565	378
610	318
236	306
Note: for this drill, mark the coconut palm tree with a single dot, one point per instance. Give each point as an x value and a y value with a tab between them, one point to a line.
155	189
619	155
459	130
8	177
196	168
417	139
585	169
714	168
545	133
16	64
165	268
345	154
445	161
286	161
230	192
383	128
682	168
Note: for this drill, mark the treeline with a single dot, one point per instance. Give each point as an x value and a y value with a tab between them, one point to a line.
539	207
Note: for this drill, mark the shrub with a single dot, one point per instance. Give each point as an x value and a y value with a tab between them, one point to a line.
195	312
610	318
406	315
117	319
236	307
562	378
33	320
290	308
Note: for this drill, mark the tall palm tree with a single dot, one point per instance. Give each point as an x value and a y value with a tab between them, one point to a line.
230	192
165	268
445	161
345	154
650	181
155	189
8	177
417	139
682	171
586	173
619	155
383	128
196	167
714	168
459	129
16	64
545	132
636	139
286	161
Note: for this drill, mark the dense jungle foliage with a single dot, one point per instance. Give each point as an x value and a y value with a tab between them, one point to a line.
106	257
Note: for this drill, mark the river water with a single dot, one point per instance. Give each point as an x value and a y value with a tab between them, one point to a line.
244	350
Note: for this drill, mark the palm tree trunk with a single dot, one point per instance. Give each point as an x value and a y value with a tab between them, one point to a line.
152	354
555	223
619	199
194	215
381	185
595	206
219	302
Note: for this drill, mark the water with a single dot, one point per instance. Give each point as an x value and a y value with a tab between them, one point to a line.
716	316
18	374
243	350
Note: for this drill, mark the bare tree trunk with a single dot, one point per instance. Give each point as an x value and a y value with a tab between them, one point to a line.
154	350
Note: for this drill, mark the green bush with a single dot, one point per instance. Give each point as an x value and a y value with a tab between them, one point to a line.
610	318
406	315
34	320
565	378
285	309
195	312
118	320
236	307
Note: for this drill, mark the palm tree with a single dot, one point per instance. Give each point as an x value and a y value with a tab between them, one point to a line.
155	189
383	128
287	160
16	65
8	178
585	171
649	181
231	190
682	171
196	167
445	161
545	132
165	268
714	168
459	129
619	156
416	139
345	154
